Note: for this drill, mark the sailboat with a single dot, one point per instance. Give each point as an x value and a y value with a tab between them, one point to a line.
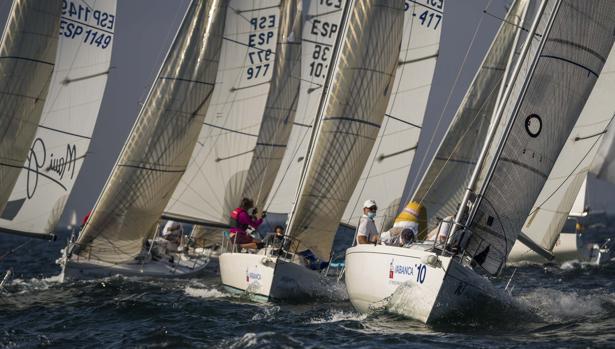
70	111
28	51
350	113
564	193
490	179
153	158
252	111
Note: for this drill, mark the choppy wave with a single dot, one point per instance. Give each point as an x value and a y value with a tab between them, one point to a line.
337	316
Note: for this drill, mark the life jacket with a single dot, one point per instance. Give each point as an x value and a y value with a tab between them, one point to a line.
235	219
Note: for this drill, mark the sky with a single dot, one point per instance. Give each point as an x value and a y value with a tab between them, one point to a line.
144	32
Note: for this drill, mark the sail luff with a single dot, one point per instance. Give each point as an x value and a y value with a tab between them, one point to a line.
158	149
350	119
67	122
576	38
27	57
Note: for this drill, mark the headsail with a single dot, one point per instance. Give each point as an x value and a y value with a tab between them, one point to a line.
159	146
350	116
558	198
63	136
603	166
215	179
27	58
321	30
445	180
546	99
385	173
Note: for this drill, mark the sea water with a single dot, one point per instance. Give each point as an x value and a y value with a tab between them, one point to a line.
572	305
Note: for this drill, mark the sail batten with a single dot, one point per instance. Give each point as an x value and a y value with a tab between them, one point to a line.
351	113
64	133
27	59
161	141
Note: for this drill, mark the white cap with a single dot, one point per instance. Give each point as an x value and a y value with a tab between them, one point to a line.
369	203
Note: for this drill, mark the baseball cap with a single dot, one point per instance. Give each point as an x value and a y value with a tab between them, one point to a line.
369	204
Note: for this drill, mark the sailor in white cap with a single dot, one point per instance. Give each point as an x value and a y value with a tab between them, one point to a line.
366	231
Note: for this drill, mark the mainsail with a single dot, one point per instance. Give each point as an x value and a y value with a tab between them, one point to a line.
63	136
445	180
350	116
163	137
603	166
321	31
547	96
385	173
255	82
27	58
558	197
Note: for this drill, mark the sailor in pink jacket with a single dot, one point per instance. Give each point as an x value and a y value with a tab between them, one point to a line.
242	218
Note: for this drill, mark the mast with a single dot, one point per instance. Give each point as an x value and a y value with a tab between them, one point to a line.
499	112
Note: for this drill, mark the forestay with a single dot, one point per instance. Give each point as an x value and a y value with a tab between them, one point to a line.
350	116
446	178
558	198
159	146
215	179
27	58
557	76
321	30
63	136
385	173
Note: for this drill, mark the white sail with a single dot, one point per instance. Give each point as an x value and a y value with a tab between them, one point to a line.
161	141
558	198
546	99
63	136
603	166
321	30
215	179
446	178
27	56
349	119
385	173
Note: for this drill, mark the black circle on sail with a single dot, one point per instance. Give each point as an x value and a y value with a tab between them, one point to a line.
533	125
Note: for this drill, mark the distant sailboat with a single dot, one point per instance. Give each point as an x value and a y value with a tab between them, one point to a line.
69	115
350	114
563	194
154	157
527	126
27	59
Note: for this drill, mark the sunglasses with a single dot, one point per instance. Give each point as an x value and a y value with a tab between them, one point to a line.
373	208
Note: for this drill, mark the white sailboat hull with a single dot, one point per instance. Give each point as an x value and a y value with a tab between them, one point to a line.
399	280
76	268
565	250
267	277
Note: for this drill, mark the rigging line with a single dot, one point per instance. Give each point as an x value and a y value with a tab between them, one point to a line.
64	132
258	48
574	169
403	121
218	159
229	129
510	23
449	97
11	251
381	157
590	136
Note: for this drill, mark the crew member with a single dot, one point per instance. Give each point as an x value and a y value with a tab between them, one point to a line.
366	231
243	218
